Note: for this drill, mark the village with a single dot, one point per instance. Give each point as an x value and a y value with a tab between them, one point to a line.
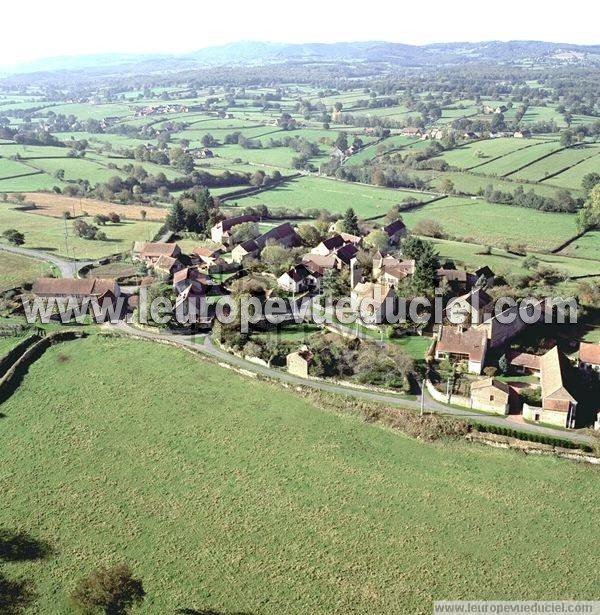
475	358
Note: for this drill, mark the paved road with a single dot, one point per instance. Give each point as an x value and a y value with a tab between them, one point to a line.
67	268
203	344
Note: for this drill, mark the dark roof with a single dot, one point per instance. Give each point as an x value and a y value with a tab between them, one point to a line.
484	271
394	227
346	253
334	242
279	232
229	223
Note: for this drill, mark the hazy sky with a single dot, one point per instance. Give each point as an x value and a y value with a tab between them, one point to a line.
41	28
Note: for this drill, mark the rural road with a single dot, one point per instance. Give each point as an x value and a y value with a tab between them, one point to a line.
67	269
431	405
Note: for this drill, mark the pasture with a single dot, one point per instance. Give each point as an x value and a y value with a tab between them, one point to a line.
265	503
307	193
554	164
48	234
481	222
572	177
478	153
516	160
16	270
472	256
587	246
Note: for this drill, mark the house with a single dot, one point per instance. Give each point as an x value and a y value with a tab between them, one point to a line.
470	309
207	256
345	254
490	395
190	276
524	363
298	363
589	358
559	407
509	323
337	154
436	134
151	252
319	264
86	288
167	266
354	239
459	344
299	279
483	276
206	153
284	235
411	131
522	134
327	246
392	273
470	135
372	301
244	251
222	232
457	279
395	232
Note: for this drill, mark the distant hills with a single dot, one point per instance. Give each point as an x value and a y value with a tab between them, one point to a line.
257	53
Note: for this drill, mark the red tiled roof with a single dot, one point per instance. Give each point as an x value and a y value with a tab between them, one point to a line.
471	342
589	353
522	359
159	249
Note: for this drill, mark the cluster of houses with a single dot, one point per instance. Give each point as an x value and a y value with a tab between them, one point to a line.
470	331
436	134
150	110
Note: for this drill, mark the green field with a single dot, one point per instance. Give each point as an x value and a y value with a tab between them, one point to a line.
372	151
587	246
16	269
476	154
494	224
471	256
516	160
29	183
11	168
573	177
336	196
48	234
263	503
560	161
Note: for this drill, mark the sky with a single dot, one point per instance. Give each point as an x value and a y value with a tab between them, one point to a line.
37	29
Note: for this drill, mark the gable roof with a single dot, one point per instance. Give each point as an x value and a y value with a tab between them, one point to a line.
491	382
553	371
523	359
317	263
229	223
153	249
377	293
95	287
282	231
394	227
484	271
333	242
165	262
589	353
471	342
346	253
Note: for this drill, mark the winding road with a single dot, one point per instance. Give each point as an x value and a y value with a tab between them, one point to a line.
67	268
203	345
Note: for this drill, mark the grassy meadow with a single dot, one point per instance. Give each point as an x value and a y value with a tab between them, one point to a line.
255	500
16	269
48	234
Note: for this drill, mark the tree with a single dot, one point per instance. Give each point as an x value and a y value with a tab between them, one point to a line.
13	236
101	219
589	215
311	236
447	186
113	591
84	230
378	240
430	228
350	222
244	232
114	217
176	217
143	214
342	141
589	181
503	364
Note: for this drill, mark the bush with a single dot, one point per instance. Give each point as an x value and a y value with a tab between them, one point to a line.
111	590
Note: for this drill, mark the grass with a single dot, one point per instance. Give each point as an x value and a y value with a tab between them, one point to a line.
514	161
16	269
10	168
587	246
319	193
559	161
264	503
474	154
29	183
48	234
415	345
494	224
471	256
573	177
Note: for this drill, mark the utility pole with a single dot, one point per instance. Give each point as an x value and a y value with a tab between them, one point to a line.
423	397
66	238
448	389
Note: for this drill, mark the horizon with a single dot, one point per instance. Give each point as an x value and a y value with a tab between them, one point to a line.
326	24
